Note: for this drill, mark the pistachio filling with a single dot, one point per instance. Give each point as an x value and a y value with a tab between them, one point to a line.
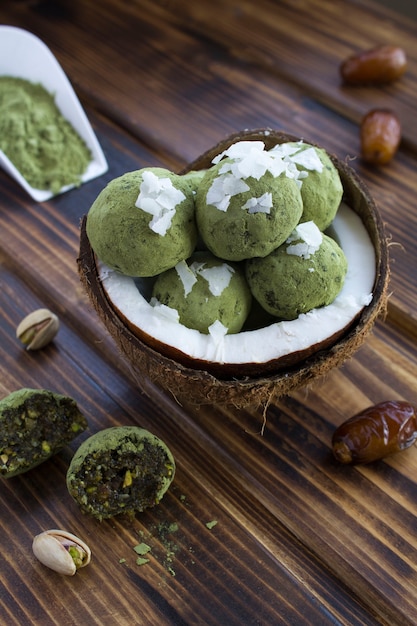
120	470
34	425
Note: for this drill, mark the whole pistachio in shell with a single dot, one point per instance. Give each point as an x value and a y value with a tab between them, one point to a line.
38	329
61	551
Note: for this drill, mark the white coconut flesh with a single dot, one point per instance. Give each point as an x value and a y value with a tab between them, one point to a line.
280	339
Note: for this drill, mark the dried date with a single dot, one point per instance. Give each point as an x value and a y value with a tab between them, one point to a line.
380	136
375	433
377	66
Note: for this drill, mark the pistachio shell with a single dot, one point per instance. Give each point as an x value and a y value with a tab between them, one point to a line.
38	329
51	548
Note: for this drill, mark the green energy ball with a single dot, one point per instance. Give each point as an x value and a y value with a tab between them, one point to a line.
305	273
205	290
34	425
194	178
321	189
143	222
241	216
124	469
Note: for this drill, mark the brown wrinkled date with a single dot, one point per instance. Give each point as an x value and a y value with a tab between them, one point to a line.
377	66
375	433
380	136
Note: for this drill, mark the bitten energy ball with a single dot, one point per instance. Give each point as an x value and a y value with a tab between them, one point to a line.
248	202
305	273
34	425
205	290
142	223
123	469
321	188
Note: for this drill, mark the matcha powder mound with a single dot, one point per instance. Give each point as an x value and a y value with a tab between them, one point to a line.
36	137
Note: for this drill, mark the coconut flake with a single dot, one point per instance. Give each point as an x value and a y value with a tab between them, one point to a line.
158	197
187	276
223	188
286	149
164	312
239	150
250	159
255	164
259	205
217	332
296	154
218	277
309	159
311	240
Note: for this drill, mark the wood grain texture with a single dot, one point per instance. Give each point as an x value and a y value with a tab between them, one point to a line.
299	539
210	83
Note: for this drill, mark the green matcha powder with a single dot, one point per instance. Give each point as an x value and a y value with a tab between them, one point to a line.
37	139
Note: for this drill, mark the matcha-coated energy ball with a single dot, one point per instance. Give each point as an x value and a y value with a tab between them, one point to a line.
123	469
247	205
306	272
321	188
205	290
34	425
143	222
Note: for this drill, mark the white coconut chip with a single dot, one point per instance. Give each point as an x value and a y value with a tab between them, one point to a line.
158	197
278	339
311	239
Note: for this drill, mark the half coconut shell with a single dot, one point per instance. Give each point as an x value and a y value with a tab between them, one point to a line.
243	384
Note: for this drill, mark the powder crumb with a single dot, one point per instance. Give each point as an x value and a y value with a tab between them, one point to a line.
173	528
211	524
141	560
121	561
142	548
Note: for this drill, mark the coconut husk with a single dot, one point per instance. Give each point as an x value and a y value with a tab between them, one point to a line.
198	382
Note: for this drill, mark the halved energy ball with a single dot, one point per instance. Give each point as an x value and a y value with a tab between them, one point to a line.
34	425
248	202
123	469
142	223
205	290
305	273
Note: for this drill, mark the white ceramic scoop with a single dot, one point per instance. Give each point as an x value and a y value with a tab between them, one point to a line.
23	55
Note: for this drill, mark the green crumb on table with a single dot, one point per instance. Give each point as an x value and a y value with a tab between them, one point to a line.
172	528
211	524
166	550
142	548
37	139
121	561
141	561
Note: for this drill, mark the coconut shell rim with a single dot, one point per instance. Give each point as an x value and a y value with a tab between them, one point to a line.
218	388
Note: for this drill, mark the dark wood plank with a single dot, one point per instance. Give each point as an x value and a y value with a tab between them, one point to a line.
181	86
362	519
264	33
299	540
242	457
247	569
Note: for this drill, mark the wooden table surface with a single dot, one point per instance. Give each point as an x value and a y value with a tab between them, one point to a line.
299	539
